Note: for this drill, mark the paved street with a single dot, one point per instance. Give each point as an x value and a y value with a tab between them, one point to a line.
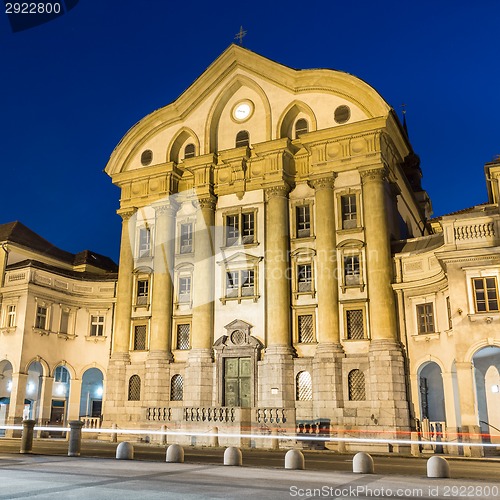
46	477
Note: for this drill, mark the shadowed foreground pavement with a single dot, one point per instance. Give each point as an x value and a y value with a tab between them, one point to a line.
47	477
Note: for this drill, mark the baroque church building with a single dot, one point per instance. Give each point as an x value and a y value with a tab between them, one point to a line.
255	281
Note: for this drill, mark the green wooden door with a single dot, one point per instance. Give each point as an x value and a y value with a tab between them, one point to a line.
238	382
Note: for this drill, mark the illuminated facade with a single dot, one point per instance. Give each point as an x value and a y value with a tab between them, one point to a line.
255	269
55	330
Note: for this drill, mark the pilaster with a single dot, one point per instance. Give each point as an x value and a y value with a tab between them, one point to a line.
75	393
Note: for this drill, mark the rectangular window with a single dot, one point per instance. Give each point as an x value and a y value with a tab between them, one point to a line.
240	228
304	277
183	333
306	328
63	328
248	227
485	294
425	318
448	308
185	289
351	270
140	338
142	292
96	326
247	283
232	230
11	316
186	238
144	242
349	212
303	221
232	283
41	317
355	324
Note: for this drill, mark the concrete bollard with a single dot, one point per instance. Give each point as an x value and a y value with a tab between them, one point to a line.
114	435
27	437
233	456
275	444
125	451
163	439
214	437
438	467
175	454
362	463
294	459
75	438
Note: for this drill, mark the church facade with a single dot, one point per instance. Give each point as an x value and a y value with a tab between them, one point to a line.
255	282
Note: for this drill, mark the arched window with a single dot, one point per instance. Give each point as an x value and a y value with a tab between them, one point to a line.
134	388
176	388
301	127
242	139
189	151
303	386
356	381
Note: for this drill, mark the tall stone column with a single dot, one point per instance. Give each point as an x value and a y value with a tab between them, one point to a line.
200	369
125	288
387	371
276	380
114	408
327	364
157	364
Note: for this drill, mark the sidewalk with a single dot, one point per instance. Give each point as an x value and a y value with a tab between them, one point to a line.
46	477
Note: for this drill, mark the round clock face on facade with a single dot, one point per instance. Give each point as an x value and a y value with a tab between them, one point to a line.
242	111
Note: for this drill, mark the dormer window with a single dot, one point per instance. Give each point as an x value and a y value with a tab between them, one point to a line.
301	127
189	151
242	139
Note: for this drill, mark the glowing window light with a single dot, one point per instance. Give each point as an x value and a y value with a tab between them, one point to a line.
98	391
495	388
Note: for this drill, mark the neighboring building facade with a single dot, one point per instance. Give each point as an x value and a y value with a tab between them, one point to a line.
56	320
255	267
447	292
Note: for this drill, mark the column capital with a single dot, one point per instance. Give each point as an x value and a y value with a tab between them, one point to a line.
209	201
327	182
374	174
167	207
279	191
126	213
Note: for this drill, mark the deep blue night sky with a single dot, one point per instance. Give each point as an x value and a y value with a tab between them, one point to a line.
71	88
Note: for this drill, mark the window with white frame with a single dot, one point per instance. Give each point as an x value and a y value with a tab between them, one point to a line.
142	297
144	242
304	278
11	316
240	283
348	211
303	221
485	294
186	238
425	318
352	274
41	318
185	289
96	325
240	228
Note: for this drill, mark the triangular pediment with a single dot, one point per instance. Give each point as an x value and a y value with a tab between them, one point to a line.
241	258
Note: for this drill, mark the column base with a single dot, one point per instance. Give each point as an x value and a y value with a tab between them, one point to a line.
327	379
276	378
387	384
200	378
157	379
